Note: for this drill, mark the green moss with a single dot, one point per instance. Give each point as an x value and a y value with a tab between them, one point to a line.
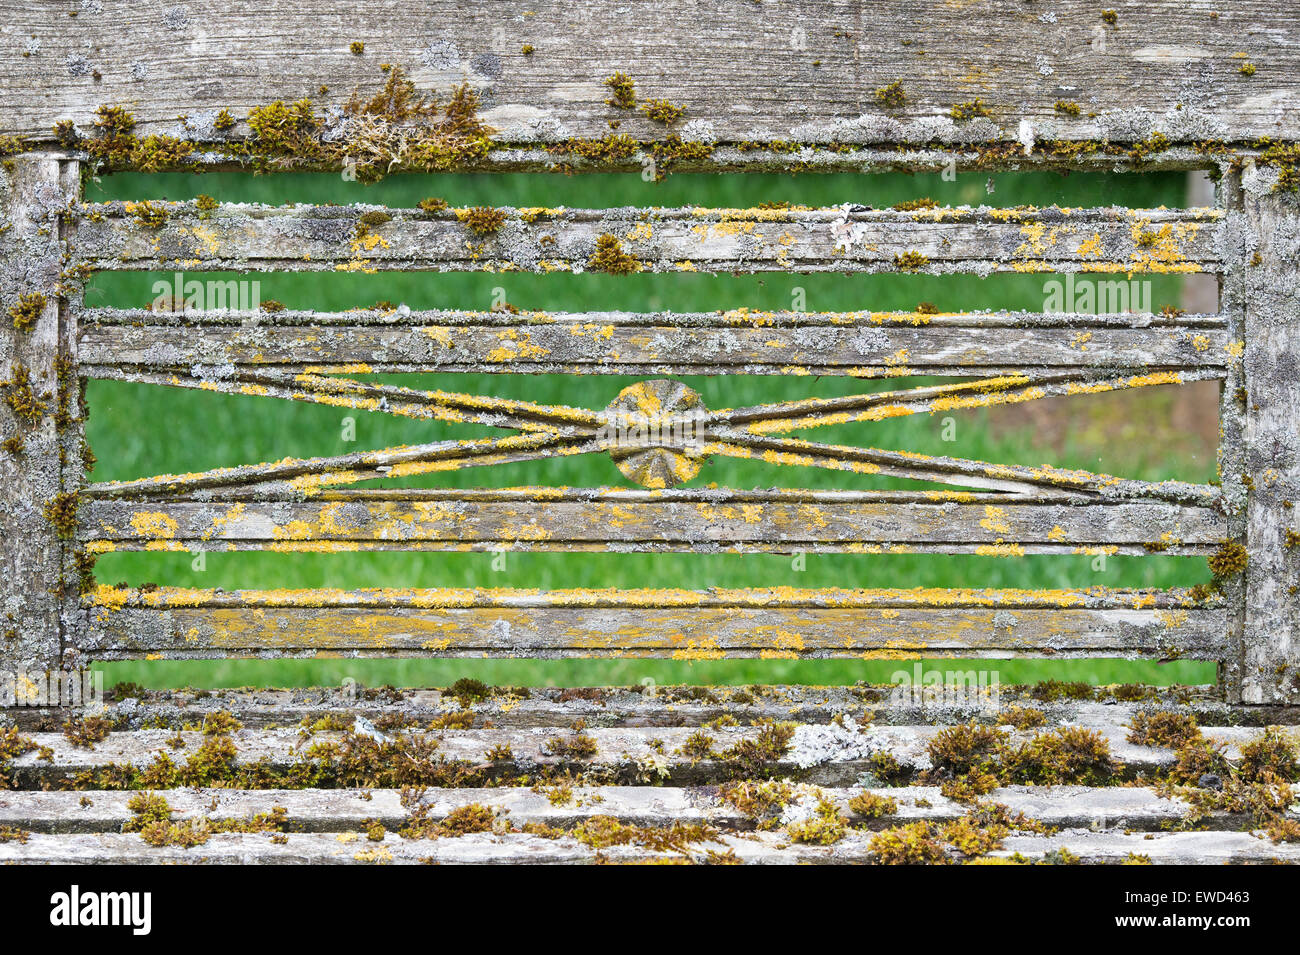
482	220
1163	728
1070	755
969	110
1228	561
578	747
761	801
914	844
873	806
61	511
966	747
662	111
469	691
911	261
25	312
610	257
85	732
891	96
622	91
825	828
65	134
151	215
1050	691
1022	717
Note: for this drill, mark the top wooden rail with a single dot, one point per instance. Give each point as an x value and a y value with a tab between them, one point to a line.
756	74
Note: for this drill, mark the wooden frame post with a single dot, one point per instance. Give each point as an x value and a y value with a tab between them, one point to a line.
39	421
1271	633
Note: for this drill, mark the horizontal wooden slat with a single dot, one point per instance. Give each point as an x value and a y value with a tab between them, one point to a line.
823	755
315	810
860	344
669	705
108	629
774	72
1169	848
556	523
850	239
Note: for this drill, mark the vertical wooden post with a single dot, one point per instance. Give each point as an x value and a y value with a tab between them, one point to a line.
38	413
1271	632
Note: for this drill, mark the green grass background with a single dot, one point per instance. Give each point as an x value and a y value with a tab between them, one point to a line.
137	430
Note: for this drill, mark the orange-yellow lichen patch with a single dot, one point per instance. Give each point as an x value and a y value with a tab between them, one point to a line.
153	524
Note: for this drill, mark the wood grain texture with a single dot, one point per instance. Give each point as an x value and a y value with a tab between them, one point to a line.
257	238
859	344
110	630
34	191
770	71
1272	444
552	522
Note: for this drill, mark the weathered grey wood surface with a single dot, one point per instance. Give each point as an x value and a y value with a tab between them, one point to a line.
801	71
1170	848
710	525
984	240
859	344
183	632
1272	445
35	191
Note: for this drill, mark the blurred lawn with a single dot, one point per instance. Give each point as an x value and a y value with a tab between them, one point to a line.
137	430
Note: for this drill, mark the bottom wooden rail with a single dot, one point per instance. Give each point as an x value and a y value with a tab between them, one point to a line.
1054	772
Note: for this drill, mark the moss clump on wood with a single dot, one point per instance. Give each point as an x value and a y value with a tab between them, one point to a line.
873	806
911	261
662	111
1162	728
610	257
25	312
969	110
1022	717
913	844
759	800
85	732
579	747
151	215
622	91
61	511
482	220
914	205
23	400
1069	755
1228	561
891	96
825	828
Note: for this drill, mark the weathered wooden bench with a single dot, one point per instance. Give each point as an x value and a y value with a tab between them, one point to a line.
1053	772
